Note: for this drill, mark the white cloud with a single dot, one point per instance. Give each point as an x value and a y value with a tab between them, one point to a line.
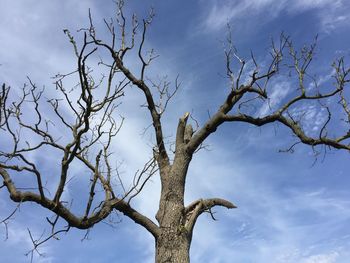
301	5
322	258
267	223
280	90
19	238
220	14
331	20
330	13
298	255
322	79
268	226
312	117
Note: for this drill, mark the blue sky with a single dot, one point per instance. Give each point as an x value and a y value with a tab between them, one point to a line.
289	210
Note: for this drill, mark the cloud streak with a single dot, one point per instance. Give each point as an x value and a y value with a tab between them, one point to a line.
282	216
329	13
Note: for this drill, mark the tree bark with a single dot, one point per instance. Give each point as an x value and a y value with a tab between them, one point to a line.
174	239
173	246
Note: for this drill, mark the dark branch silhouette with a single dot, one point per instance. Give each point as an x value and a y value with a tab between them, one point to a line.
84	124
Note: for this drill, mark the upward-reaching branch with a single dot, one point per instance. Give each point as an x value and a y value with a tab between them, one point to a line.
300	62
118	56
80	129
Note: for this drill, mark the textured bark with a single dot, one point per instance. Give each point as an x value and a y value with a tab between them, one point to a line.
173	241
176	222
173	233
173	245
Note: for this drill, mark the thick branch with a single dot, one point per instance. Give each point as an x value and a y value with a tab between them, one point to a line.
294	127
164	161
218	118
180	133
137	217
195	209
74	221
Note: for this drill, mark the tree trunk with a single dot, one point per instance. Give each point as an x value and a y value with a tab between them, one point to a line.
173	246
174	239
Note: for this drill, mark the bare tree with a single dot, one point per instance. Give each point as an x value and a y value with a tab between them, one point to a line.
87	123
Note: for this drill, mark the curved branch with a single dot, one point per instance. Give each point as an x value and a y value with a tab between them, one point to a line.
72	220
195	209
137	217
149	98
294	127
218	118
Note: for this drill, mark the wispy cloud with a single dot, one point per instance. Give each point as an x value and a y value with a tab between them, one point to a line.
299	256
330	13
273	223
312	117
280	90
19	238
322	258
